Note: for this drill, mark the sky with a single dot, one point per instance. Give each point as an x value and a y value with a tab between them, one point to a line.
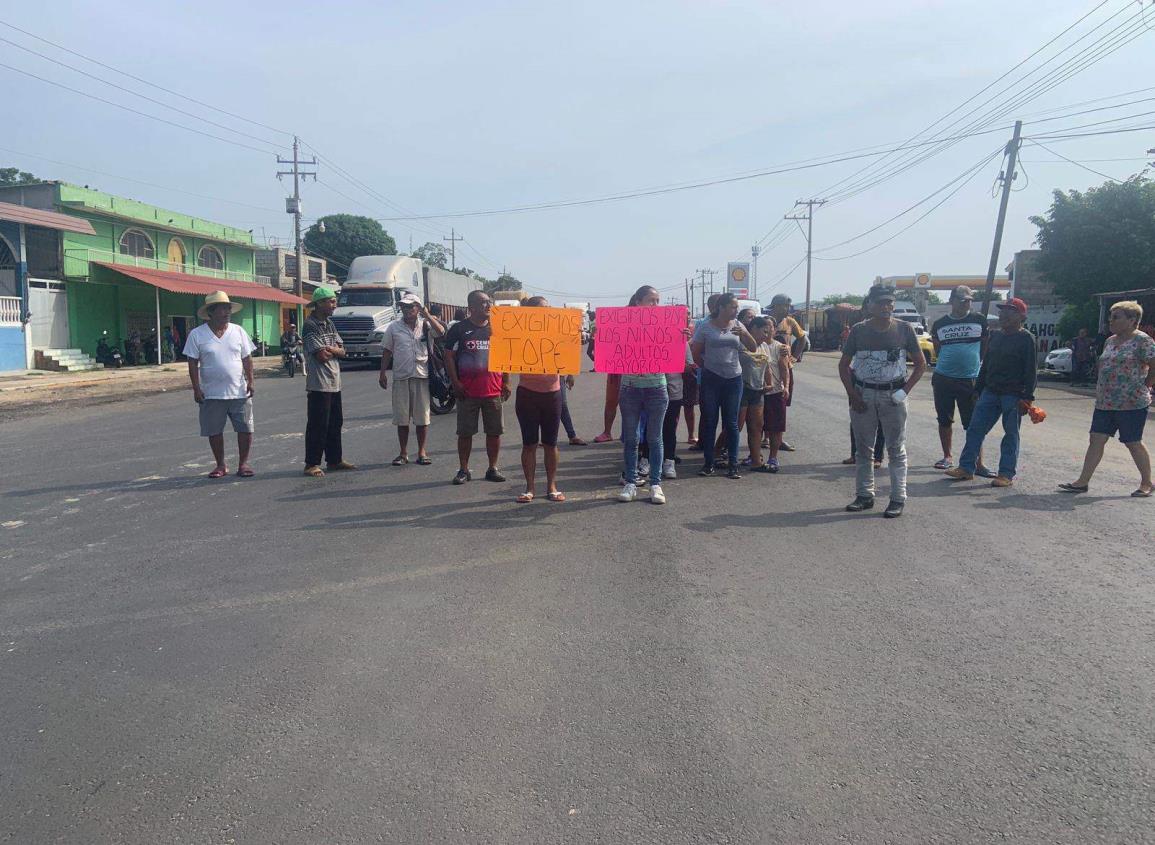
449	107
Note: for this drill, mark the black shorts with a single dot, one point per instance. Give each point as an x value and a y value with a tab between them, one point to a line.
949	392
751	396
1129	424
539	415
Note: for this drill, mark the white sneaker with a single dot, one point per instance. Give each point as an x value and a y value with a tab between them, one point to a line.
656	495
629	493
643	467
668	470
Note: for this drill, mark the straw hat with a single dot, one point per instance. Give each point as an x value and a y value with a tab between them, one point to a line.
216	298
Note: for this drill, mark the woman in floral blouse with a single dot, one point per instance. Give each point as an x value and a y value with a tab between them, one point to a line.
1122	396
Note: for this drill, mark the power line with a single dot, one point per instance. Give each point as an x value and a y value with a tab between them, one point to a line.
144	81
136	111
1072	161
153	100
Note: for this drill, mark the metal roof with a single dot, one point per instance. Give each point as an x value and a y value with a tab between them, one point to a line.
45	219
1139	292
203	285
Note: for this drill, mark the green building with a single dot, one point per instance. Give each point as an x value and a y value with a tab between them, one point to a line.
144	269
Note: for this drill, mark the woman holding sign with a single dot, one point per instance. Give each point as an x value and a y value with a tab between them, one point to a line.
717	347
644	393
538	408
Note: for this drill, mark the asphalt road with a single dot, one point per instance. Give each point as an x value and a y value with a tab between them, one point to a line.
381	657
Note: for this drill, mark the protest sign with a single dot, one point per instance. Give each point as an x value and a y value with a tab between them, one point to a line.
543	341
640	339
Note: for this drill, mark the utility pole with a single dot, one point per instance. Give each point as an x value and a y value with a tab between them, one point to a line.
1008	176
703	274
755	251
453	239
689	295
809	218
293	207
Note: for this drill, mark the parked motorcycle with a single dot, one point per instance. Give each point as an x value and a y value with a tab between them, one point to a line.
133	350
108	355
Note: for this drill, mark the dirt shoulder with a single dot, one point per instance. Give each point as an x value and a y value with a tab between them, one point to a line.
31	395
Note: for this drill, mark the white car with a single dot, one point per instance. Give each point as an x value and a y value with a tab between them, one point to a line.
1060	362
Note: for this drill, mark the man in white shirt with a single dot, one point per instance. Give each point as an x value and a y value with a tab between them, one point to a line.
220	366
405	347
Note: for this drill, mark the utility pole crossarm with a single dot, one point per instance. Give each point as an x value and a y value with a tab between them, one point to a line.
807	233
298	174
452	241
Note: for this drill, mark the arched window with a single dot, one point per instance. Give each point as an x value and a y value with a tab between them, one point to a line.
210	258
177	257
136	242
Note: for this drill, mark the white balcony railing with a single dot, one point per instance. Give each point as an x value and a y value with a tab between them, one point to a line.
76	265
9	310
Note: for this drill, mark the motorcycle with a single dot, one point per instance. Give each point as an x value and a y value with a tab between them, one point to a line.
108	355
291	359
133	350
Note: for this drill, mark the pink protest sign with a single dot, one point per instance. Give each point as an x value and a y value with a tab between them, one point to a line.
640	339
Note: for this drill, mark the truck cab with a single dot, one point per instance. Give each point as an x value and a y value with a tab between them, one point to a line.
370	298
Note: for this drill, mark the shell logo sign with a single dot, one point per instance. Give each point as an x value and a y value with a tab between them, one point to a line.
738	278
922	280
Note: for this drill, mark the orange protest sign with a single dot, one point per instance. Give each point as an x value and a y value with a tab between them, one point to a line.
544	341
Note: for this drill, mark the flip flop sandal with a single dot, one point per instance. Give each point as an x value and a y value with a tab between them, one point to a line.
424	461
525	498
603	438
246	471
984	472
943	464
219	472
577	441
556	496
400	460
1072	488
1141	494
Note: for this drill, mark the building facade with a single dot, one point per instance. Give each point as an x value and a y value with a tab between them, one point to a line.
143	270
1044	306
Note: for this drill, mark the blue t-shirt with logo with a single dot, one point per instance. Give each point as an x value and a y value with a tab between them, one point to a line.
960	343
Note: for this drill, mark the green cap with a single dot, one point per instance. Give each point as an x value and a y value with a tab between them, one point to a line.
323	293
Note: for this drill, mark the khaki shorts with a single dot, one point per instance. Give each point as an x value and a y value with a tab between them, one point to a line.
214	413
410	401
490	409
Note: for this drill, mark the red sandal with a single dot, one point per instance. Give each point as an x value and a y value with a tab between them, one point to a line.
219	472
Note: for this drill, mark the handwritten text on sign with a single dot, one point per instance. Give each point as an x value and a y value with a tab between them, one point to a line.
535	340
643	339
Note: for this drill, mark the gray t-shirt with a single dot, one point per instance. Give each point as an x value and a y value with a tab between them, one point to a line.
721	349
322	376
879	357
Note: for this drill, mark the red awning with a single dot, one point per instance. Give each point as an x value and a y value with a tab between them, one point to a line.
203	285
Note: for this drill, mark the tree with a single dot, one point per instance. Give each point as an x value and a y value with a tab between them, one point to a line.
503	282
933	298
981	295
348	236
16	176
1099	240
465	271
835	298
432	254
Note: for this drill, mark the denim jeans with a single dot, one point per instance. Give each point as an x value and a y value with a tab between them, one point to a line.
720	395
987	411
881	412
632	401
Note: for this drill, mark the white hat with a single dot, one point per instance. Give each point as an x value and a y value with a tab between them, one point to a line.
410	299
217	298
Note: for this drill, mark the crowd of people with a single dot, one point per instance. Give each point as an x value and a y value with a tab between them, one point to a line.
738	379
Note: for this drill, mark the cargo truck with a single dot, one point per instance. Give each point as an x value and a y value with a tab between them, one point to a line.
368	300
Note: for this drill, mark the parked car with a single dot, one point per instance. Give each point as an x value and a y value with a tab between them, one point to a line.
925	344
1060	363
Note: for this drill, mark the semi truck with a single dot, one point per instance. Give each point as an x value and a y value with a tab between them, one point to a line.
369	299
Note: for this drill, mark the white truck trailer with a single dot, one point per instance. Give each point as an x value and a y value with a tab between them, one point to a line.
369	298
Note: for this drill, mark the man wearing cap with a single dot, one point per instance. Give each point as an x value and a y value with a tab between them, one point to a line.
1006	379
324	348
789	331
406	348
873	371
220	367
960	340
